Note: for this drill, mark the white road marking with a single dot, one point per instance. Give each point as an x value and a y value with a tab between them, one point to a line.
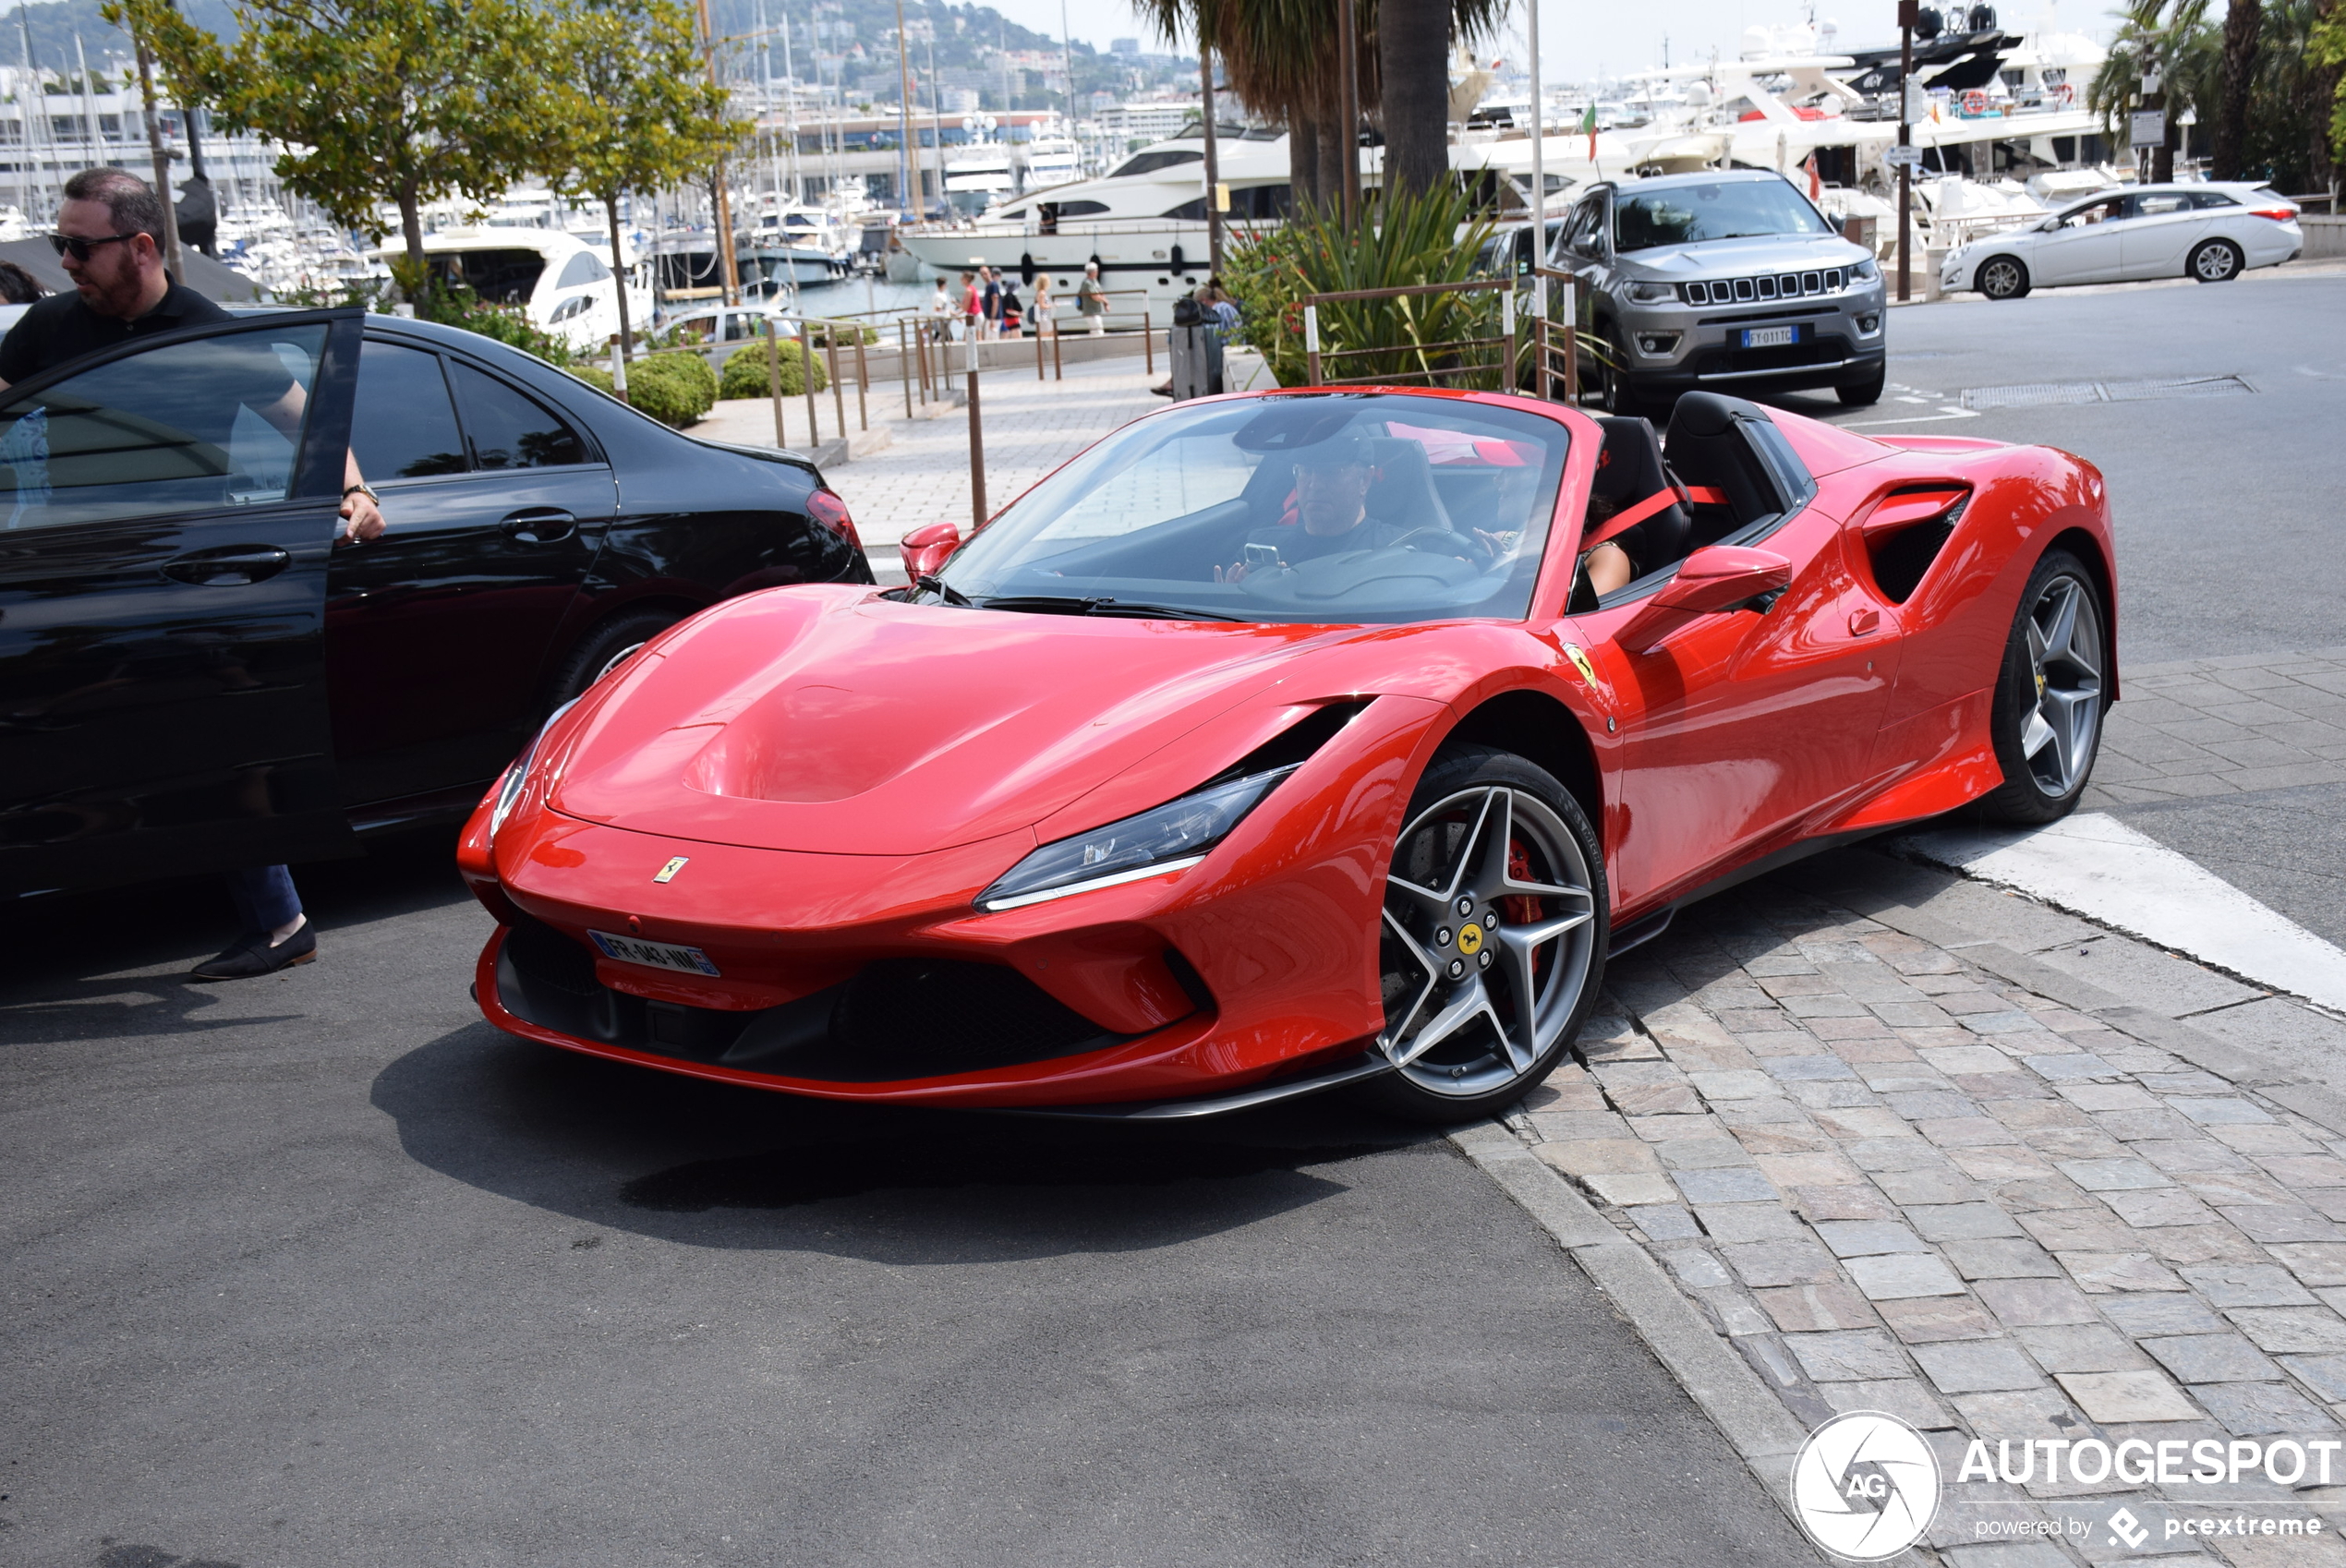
2094	865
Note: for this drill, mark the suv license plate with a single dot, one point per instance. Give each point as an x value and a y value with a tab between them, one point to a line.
653	954
1770	337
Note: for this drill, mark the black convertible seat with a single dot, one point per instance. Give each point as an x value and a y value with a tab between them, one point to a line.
1403	493
1733	447
895	1018
1629	471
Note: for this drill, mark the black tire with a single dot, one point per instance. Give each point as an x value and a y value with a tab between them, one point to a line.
1465	1047
2215	261
605	647
1615	392
1867	393
2001	277
2046	720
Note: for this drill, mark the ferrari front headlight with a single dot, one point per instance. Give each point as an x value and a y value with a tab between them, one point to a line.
509	788
1173	836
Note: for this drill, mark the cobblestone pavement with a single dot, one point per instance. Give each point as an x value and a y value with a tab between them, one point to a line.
1900	1164
2240	763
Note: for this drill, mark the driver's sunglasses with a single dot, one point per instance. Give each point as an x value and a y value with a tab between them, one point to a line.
82	247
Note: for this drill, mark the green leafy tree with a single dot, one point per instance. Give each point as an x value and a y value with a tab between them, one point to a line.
397	102
632	108
2174	37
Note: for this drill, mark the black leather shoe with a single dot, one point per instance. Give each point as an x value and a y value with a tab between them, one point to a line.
253	956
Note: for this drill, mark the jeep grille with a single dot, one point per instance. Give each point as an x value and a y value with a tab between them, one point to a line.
1777	285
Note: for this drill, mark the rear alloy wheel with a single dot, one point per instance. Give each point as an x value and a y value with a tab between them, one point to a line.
2217	261
2001	277
1493	937
2047	722
607	647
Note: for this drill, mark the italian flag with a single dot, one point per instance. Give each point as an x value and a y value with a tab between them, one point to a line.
1588	128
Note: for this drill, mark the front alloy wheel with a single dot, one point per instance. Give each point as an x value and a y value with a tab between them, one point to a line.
1492	936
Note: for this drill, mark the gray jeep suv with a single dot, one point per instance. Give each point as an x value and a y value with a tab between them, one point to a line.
1729	281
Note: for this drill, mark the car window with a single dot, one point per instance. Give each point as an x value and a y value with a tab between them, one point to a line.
404	427
2159	203
2211	198
2096	213
210	423
583	268
1329	509
1692	214
510	430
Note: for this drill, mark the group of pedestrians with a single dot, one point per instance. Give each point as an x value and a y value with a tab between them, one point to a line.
987	307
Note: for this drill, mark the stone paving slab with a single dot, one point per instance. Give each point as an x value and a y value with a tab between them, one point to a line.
1893	1176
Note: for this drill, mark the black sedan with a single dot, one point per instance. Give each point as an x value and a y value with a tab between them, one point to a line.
194	676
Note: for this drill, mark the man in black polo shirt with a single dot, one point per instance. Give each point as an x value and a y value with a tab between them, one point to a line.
109	238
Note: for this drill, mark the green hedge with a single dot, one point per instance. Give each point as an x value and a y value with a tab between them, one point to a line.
745	374
675	388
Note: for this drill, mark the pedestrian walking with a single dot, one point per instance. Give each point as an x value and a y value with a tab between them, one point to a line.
941	311
972	307
1043	308
990	300
109	238
1012	314
1091	299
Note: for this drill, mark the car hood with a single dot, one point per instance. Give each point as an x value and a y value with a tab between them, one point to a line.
828	719
1727	258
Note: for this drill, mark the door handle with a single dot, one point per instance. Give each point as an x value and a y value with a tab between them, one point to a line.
228	566
1863	621
537	525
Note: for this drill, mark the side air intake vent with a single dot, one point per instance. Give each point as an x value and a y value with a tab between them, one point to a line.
1905	532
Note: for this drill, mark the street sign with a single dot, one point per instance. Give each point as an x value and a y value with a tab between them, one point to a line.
1904	157
2149	128
1918	107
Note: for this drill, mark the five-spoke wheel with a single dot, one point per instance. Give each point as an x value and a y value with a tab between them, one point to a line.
1493	935
2047	718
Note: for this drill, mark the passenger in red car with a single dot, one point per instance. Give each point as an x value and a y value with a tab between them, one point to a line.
1332	485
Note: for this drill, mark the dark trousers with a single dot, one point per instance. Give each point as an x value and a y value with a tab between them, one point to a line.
264	896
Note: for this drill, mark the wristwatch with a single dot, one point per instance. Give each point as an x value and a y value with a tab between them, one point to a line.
361	490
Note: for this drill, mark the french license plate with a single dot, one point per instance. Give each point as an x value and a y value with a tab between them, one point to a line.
1770	337
655	955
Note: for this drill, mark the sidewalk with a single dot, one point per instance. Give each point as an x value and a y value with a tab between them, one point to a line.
1897	1159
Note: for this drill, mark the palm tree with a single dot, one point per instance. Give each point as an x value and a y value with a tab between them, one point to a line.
2242	23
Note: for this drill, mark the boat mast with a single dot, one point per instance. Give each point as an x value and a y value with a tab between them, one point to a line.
790	113
732	279
937	121
907	200
40	113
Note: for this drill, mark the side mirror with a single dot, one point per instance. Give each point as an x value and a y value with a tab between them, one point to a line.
926	549
1716	578
2048	225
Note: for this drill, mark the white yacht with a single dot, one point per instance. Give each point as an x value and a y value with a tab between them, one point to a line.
978	175
564	284
809	243
1053	159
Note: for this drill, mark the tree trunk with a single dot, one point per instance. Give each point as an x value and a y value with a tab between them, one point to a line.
619	271
1413	56
411	228
2242	23
1302	159
1334	142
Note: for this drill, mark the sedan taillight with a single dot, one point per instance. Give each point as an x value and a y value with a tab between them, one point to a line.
2277	214
825	507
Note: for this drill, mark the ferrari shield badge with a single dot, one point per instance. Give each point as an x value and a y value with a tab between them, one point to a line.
1580	662
668	872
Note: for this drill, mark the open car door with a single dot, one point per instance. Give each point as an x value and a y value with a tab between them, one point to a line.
166	512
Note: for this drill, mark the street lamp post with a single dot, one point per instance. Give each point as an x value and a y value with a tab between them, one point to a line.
1213	160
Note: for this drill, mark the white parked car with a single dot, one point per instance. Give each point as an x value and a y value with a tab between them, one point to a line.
2212	232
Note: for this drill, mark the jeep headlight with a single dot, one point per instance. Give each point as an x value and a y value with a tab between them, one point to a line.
1652	293
510	787
1865	271
1172	836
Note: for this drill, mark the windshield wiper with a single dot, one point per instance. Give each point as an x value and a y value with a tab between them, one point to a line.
1072	604
945	591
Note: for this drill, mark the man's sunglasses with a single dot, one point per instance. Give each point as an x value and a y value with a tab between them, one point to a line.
82	247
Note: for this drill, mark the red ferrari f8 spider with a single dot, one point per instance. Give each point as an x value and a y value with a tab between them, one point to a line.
1287	741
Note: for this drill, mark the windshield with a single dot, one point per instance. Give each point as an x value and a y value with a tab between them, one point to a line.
1691	214
1329	508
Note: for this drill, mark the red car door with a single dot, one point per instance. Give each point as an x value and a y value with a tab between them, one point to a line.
1741	726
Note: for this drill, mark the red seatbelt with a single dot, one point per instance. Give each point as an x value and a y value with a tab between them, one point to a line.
1705	495
1622	522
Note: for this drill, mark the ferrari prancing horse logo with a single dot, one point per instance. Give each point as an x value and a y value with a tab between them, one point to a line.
1469	939
668	872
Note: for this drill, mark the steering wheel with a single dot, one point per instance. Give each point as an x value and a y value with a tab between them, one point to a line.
1433	529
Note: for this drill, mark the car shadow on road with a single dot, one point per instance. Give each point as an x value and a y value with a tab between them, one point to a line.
709	1166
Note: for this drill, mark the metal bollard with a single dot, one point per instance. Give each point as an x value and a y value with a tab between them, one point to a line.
904	365
1059	371
1038	354
1148	341
806	363
863	383
977	447
838	392
774	378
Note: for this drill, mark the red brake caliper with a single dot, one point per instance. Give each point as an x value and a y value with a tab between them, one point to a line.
1522	908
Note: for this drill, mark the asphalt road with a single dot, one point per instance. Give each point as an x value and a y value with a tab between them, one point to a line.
320	1270
2228	508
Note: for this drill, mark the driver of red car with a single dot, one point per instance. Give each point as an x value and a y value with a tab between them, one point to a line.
1332	484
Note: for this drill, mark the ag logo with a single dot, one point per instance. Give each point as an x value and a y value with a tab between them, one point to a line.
1864	1486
